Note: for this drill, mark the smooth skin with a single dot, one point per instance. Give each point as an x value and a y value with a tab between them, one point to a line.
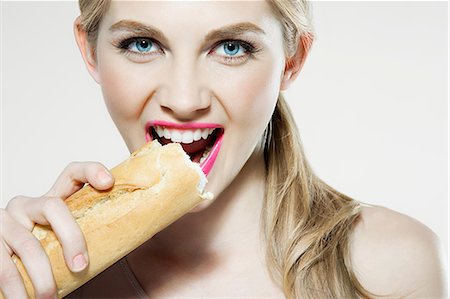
187	80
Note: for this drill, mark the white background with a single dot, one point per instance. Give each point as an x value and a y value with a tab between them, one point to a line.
371	103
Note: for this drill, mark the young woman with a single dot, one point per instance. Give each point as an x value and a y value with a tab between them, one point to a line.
274	229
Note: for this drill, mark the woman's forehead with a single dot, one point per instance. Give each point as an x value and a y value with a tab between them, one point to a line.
246	7
201	16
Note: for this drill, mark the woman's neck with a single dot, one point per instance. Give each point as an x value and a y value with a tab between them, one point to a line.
232	218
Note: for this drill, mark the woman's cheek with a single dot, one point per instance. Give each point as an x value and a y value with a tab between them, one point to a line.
249	97
120	94
125	86
254	95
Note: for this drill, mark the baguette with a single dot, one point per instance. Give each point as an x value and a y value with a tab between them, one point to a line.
154	187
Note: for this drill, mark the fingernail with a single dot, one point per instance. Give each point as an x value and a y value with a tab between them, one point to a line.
104	176
78	263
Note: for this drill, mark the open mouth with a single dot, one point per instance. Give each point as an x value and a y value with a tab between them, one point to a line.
201	144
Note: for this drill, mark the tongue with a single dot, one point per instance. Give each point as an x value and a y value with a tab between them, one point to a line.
196	158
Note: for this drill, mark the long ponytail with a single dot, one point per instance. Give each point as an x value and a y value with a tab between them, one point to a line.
306	223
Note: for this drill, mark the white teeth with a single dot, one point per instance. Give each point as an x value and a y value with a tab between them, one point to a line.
197	135
160	131
205	133
176	136
183	136
167	134
188	137
205	154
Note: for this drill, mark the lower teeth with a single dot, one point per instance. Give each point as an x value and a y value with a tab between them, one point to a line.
205	154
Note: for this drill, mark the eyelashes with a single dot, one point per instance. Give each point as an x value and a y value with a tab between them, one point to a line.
126	46
142	49
249	50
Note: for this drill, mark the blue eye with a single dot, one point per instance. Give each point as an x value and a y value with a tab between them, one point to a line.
235	51
142	45
139	46
231	48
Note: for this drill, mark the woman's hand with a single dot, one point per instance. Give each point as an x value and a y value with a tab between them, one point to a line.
20	215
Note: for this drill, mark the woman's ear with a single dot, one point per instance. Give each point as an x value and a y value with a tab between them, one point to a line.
295	63
86	49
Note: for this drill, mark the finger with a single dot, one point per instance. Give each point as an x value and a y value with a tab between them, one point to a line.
68	233
32	255
11	283
7	248
17	209
54	212
76	174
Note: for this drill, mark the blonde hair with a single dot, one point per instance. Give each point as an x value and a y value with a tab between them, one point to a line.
91	14
305	223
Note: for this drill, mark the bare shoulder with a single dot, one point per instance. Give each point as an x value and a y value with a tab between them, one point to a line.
393	254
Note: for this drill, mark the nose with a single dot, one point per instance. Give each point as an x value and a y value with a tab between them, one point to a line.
185	96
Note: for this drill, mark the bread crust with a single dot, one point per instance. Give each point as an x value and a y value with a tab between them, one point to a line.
154	187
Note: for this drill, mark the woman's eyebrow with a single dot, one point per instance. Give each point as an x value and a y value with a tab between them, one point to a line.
147	30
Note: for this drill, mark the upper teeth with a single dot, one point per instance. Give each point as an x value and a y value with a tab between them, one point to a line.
184	136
